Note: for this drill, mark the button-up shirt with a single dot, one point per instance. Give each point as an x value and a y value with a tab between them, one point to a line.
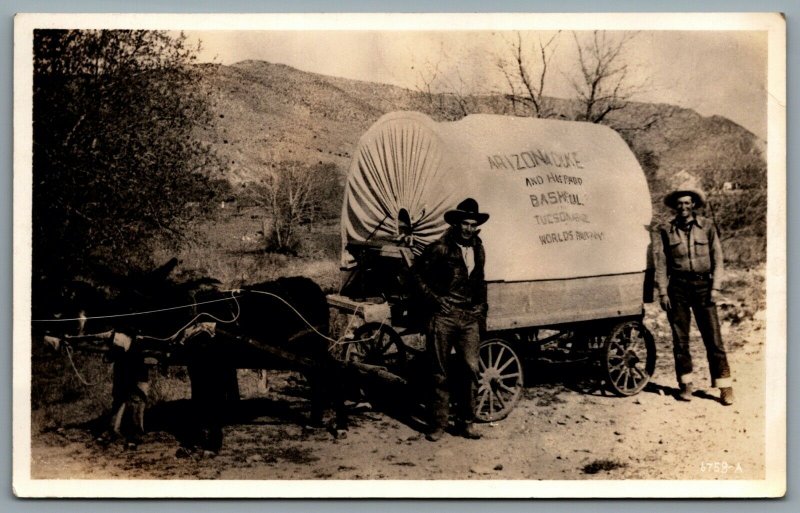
690	247
469	257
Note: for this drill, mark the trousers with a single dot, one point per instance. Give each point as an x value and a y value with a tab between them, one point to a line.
692	295
459	330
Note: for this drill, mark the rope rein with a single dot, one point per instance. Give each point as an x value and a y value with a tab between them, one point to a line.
334	341
133	314
233	292
200	315
236	316
68	350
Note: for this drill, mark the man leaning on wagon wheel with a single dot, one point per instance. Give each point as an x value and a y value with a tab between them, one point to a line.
451	278
688	258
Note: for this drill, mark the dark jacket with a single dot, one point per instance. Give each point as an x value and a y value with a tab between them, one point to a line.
440	272
699	251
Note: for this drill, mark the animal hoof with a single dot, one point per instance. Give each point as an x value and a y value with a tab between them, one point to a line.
105	439
183	452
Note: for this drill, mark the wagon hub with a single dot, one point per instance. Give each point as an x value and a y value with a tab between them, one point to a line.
491	377
631	358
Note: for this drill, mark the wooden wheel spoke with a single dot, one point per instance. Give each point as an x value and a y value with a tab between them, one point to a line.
636	377
507	388
505	365
640	372
499	357
509	376
623	375
482	400
629	357
500	381
618	366
500	401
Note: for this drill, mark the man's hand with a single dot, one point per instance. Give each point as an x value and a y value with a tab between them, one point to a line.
480	309
714	296
665	304
444	304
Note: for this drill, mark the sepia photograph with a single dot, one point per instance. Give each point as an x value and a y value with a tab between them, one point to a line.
419	255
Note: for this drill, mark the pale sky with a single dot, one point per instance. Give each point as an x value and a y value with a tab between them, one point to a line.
712	72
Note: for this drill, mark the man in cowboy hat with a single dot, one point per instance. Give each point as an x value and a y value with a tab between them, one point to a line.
451	279
688	258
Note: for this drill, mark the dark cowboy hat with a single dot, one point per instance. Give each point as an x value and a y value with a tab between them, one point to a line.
467	209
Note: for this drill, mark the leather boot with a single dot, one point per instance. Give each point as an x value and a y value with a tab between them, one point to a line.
468	430
435	435
726	396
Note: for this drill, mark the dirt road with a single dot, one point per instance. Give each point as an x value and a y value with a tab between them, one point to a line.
557	431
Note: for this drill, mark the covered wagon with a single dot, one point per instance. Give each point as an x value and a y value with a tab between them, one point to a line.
566	244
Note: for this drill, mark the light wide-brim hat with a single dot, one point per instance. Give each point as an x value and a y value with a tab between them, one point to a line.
699	197
685	184
467	209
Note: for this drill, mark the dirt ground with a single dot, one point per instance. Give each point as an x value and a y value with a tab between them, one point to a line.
561	429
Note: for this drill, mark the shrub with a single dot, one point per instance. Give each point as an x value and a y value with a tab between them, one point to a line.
116	164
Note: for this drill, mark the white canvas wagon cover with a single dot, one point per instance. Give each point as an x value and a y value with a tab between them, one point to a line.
567	199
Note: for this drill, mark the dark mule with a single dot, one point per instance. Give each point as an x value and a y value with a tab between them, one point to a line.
263	319
287	316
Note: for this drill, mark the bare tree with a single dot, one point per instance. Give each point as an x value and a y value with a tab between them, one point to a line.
526	77
459	94
427	78
604	83
296	194
445	92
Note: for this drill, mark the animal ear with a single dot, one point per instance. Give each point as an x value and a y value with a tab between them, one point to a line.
165	270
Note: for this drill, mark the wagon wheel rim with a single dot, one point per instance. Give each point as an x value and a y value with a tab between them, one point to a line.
500	380
629	358
376	344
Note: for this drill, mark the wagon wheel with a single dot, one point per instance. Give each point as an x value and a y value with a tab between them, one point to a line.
376	344
499	381
629	358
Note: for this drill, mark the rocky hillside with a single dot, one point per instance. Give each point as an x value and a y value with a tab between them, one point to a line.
265	113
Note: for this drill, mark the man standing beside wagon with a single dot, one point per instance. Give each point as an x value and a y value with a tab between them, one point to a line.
450	274
689	266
